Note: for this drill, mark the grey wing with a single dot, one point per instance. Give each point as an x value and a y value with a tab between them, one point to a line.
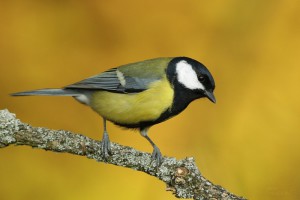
115	81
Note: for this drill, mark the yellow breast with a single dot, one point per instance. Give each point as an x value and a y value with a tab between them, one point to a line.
134	108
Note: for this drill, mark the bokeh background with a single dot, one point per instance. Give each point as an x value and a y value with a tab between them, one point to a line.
248	142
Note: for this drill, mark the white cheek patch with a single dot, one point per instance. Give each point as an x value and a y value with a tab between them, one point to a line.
187	76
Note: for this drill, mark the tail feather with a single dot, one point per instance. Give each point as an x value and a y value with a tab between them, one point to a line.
48	92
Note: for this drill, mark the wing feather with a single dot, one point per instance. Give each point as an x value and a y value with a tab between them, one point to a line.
131	78
110	81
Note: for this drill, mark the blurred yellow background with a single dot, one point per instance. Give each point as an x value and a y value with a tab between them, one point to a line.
248	142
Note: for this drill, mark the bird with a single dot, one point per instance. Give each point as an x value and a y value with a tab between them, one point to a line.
139	95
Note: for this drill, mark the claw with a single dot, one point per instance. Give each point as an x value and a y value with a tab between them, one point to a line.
105	146
156	156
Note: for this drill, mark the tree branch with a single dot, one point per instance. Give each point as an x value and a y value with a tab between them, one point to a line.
182	177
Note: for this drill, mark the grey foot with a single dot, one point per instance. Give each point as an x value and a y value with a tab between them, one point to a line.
156	156
105	146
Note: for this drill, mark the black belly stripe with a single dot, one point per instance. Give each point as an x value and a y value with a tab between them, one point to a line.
182	98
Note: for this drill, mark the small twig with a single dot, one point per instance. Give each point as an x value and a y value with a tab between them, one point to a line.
182	177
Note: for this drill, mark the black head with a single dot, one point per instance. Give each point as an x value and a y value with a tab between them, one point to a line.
191	77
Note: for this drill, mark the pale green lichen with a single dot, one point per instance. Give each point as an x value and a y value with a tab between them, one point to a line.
8	125
189	185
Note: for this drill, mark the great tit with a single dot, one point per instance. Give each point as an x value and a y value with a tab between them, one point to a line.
140	95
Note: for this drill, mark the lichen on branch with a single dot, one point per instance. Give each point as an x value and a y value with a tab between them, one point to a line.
182	177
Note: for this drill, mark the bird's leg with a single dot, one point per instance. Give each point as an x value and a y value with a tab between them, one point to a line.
105	143
156	154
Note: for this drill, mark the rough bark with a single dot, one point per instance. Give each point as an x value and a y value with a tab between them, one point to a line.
182	177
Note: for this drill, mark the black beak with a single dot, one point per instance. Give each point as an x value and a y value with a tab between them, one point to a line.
210	96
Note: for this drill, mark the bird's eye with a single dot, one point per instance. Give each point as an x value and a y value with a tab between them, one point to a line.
201	79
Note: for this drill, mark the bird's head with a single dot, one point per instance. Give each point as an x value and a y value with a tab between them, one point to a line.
191	77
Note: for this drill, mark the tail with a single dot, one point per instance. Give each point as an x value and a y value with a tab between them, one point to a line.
48	92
